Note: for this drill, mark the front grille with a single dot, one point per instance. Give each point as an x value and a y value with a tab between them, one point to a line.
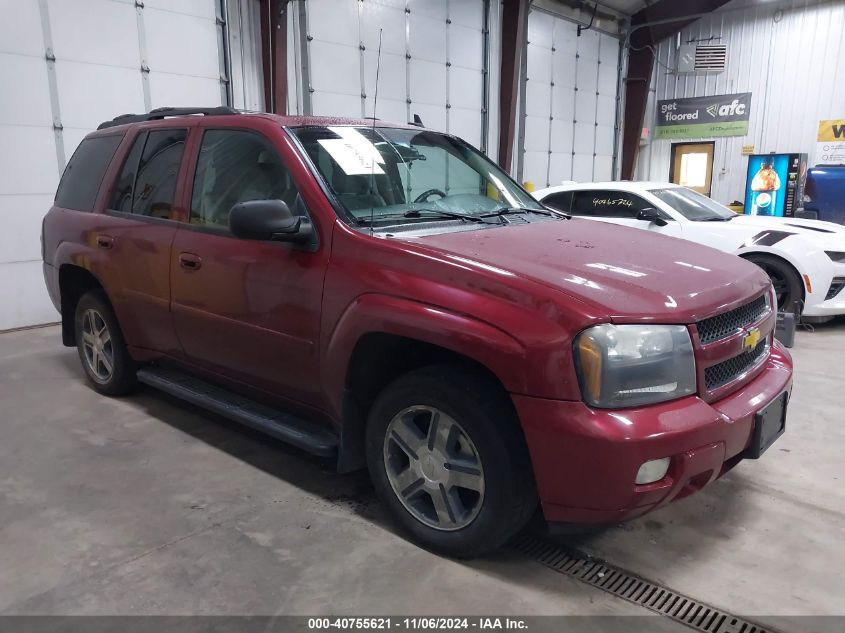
723	325
731	369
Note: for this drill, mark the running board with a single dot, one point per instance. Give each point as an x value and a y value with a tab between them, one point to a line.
273	422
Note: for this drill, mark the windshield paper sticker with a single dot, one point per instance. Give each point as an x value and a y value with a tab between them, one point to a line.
353	151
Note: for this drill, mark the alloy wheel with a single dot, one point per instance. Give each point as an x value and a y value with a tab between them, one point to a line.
434	468
97	345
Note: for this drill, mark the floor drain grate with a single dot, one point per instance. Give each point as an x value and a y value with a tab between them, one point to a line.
632	588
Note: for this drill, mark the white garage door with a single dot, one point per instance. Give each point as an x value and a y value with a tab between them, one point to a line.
569	101
432	56
64	68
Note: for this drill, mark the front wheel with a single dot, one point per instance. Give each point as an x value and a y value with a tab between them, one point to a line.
785	279
101	347
446	455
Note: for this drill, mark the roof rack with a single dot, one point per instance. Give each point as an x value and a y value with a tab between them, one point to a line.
160	113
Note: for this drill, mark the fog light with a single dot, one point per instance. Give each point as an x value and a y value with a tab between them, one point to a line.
652	471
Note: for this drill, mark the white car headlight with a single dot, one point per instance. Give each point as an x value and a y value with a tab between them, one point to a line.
630	365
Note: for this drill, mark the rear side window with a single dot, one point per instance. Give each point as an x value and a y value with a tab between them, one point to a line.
84	173
607	204
561	201
147	182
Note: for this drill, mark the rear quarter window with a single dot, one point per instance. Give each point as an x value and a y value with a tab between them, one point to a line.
84	173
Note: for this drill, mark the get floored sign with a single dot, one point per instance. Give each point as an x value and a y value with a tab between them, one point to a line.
697	117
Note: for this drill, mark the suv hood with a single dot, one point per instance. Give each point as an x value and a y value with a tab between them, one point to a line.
627	274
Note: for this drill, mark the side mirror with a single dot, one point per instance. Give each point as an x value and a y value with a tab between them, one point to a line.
268	220
652	215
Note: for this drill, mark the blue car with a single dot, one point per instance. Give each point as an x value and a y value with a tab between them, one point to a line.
824	194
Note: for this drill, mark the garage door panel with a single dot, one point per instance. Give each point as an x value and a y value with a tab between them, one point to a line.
333	21
537	98
607	78
336	104
540	29
604	140
536	134
609	50
588	46
180	44
428	83
535	166
566	39
427	39
562	133
428	8
391	69
467	13
585	106
199	8
118	90
79	37
584	138
560	168
176	90
26	99
390	20
465	88
335	68
32	168
563	74
603	168
25	282
389	110
539	61
465	47
23	34
563	103
582	167
605	110
587	78
466	123
20	239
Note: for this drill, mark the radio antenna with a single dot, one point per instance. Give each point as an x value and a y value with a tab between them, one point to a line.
373	141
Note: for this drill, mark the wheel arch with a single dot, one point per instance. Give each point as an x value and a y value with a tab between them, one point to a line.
781	257
74	282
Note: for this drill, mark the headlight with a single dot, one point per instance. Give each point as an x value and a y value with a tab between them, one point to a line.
629	365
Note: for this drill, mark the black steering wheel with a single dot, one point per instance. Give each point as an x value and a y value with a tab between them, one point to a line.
429	192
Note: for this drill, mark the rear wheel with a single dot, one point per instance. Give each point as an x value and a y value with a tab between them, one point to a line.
785	279
446	455
101	347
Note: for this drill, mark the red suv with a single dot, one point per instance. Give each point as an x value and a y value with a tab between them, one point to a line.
387	296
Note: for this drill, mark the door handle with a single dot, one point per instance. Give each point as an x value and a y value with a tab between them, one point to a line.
189	261
105	241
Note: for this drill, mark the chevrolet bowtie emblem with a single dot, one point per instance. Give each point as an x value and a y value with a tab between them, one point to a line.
751	340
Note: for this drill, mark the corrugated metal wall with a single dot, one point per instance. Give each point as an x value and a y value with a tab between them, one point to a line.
791	57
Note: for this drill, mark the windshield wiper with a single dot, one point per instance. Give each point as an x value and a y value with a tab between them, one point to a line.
512	210
417	213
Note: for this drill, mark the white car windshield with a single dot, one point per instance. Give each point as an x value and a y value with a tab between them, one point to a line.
389	176
693	205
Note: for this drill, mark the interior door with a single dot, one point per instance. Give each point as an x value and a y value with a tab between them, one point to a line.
245	309
692	166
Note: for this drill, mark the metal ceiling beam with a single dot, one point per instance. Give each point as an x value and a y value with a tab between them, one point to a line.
514	21
649	27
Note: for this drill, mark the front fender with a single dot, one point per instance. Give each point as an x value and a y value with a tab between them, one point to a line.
484	343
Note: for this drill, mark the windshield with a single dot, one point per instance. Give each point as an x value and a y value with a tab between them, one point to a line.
693	205
389	176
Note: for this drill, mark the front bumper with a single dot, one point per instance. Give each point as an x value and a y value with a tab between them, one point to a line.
585	460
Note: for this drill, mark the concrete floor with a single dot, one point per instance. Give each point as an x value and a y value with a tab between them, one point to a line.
143	505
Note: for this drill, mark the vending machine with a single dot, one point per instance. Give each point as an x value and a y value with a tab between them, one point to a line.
775	184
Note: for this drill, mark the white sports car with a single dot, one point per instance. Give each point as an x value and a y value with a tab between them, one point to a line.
804	258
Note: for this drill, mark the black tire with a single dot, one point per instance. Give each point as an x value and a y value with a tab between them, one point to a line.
486	416
120	379
788	285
